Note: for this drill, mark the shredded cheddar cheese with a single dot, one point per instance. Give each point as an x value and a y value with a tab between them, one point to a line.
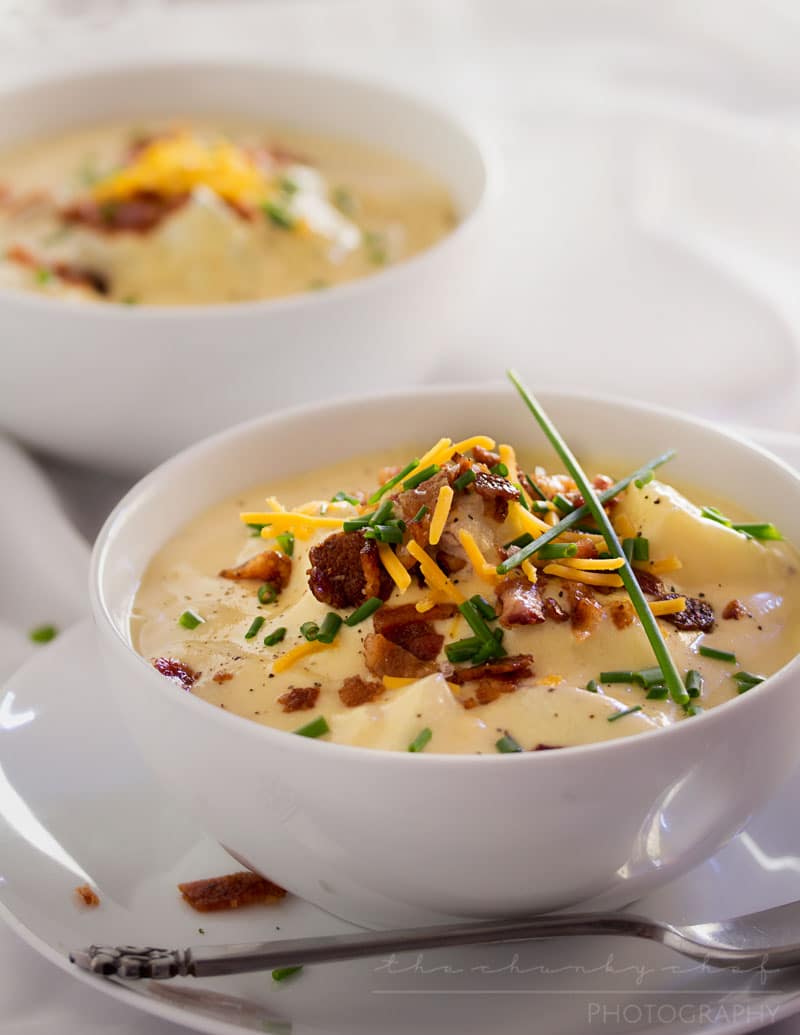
527	522
302	525
389	560
591	578
509	458
469	443
397	682
440	514
430	457
662	567
668	607
302	650
479	563
594	563
530	571
432	573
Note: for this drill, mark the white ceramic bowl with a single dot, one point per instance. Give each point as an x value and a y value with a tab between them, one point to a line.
127	386
381	837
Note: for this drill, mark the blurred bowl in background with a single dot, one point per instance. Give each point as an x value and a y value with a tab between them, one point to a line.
125	387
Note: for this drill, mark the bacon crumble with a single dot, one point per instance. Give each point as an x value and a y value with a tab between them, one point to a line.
232	891
269	566
299	698
346	570
174	669
356	691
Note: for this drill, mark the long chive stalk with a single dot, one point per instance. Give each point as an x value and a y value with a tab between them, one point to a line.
579	515
672	677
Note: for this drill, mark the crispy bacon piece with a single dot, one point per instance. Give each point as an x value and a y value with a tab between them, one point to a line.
485	456
70	274
413	631
269	566
519	603
408	504
585	612
384	658
390	617
586	548
346	570
88	896
650	584
230	892
356	691
512	668
172	668
299	698
622	613
138	214
735	610
554	611
497	491
488	690
222	677
450	562
697	615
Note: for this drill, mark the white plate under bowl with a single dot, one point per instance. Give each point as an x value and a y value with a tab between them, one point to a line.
77	805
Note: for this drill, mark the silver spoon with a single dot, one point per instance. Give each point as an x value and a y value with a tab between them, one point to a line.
767	940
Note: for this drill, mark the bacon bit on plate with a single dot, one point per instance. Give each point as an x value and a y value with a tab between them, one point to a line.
488	690
269	566
172	668
346	570
735	610
497	491
622	613
88	896
222	677
697	615
384	658
138	214
513	668
485	456
554	611
585	612
299	698
230	892
356	691
650	584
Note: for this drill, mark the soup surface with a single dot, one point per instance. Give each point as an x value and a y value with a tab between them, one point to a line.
557	655
191	212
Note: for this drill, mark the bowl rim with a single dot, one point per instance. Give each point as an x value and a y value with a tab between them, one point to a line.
267	734
485	159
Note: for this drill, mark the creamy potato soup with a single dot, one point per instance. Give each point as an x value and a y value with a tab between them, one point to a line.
378	617
198	212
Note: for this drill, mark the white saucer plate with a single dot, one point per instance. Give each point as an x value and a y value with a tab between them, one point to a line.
77	806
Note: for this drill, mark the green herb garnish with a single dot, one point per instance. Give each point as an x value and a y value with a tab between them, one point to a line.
394	480
421	739
421	476
43	634
190	620
278	214
592	686
275	636
552	551
506	745
463	650
43	275
286	542
463	480
255	626
563	504
345	497
282	973
754	529
329	628
621	715
267	594
420	514
717	655
500	469
376	248
746	681
316	728
363	611
310	630
693	683
595	508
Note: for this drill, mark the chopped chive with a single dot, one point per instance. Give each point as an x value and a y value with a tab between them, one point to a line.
694	709
190	620
255	626
343	200
278	214
484	607
287	186
44	275
535	490
375	246
420	514
628	711
592	686
363	611
507	745
759	530
282	973
716	515
43	634
746	681
267	594
693	683
552	550
540	508
463	650
463	480
644	480
621	676
286	542
478	625
394	480
718	655
594	504
575	518
658	692
316	728
384	533
641	548
522	501
627	549
500	468
356	524
421	739
345	497
382	514
255	529
310	630
421	476
329	628
649	676
275	636
520	541
563	503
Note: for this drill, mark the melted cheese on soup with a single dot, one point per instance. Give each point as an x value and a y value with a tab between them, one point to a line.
552	708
